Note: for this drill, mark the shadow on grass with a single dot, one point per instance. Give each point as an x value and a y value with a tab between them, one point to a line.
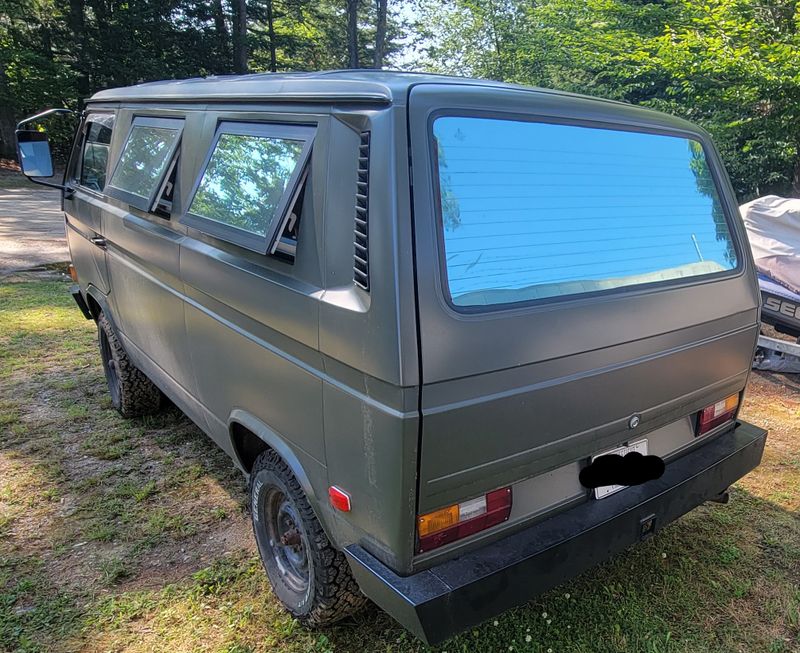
132	536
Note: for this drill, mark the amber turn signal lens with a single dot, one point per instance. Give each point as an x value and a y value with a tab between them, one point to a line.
438	520
73	273
435	529
718	413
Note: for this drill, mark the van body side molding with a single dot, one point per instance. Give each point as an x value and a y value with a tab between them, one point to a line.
459	593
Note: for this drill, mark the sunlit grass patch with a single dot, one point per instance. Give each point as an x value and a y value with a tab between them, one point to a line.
131	536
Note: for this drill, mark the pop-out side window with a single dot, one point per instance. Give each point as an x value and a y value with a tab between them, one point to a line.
533	210
146	157
248	182
97	132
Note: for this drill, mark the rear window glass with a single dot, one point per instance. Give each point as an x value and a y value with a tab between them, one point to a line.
145	157
533	210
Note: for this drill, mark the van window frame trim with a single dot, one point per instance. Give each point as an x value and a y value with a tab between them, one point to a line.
81	134
713	162
139	201
261	244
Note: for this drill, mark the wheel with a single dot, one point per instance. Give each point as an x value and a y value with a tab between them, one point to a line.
310	577
132	393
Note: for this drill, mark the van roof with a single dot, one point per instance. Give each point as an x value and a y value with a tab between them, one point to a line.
362	85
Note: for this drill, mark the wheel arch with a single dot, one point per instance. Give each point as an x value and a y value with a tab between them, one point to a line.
250	437
97	303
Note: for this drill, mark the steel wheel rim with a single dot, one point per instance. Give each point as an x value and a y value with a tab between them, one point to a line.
287	541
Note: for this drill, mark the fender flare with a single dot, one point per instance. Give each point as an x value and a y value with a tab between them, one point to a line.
102	301
275	442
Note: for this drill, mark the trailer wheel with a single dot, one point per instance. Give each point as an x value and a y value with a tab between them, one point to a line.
132	393
308	575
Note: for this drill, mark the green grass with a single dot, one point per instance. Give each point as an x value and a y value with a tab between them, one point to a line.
131	536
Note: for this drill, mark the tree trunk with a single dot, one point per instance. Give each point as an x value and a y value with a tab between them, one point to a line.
77	25
273	54
495	31
8	147
796	174
352	33
380	32
240	36
223	42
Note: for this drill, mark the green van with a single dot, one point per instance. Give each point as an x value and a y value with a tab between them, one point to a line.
466	339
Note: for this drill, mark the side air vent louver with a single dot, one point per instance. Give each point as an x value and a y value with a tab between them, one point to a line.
361	232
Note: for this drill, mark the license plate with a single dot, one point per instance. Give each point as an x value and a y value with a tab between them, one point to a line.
606	490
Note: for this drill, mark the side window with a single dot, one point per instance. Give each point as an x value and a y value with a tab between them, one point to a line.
250	182
147	157
94	153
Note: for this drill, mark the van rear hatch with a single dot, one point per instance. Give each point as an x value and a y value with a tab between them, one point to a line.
583	281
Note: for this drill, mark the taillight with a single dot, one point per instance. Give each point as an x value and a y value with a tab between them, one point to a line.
716	414
460	520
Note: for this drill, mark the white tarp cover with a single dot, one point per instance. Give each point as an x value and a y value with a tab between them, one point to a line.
773	227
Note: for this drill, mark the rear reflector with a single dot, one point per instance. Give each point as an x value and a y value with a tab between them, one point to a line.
716	414
460	520
339	498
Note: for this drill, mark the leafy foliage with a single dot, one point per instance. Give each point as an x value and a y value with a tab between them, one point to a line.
730	65
58	52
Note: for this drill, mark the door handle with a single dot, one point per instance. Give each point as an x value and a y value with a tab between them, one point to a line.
99	241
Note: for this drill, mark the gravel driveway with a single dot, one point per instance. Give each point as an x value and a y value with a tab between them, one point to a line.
31	229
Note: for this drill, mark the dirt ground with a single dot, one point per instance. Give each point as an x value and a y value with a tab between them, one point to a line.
31	223
133	535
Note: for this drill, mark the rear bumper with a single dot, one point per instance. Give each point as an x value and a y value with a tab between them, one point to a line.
441	601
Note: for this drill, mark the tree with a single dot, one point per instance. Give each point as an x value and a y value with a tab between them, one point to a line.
729	65
77	25
59	52
221	30
7	121
381	7
273	54
240	36
352	33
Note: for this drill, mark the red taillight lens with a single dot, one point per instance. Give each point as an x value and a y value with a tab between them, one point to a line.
715	414
460	520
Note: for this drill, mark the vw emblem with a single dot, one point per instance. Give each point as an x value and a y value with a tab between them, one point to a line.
633	422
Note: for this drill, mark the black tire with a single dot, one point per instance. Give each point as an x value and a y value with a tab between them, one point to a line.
310	577
132	393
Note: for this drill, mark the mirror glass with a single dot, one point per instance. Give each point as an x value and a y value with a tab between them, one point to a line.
34	153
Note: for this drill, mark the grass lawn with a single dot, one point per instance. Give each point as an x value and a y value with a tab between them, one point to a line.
133	535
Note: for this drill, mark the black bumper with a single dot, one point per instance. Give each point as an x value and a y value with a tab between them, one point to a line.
441	601
75	291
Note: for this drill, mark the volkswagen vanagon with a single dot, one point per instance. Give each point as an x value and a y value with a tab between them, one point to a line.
465	339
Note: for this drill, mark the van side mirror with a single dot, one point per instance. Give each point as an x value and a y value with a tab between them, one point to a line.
33	151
